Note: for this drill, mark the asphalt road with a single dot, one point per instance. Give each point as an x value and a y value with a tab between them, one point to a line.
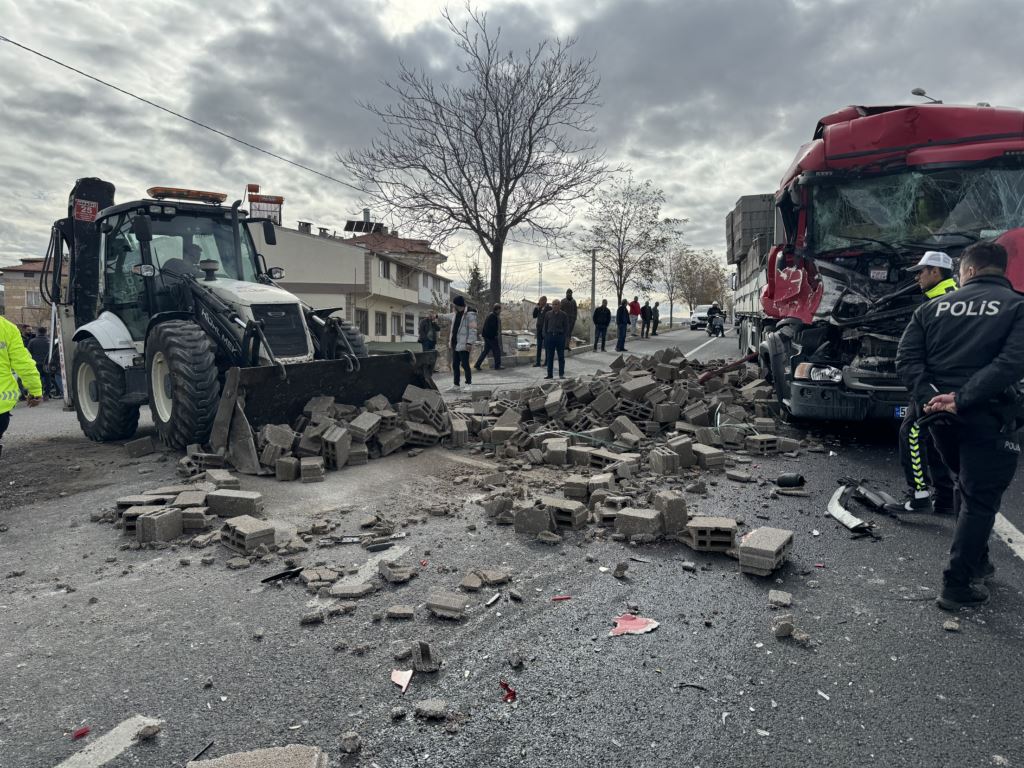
92	634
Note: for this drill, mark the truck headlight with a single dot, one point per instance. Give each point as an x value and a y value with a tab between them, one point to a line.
812	372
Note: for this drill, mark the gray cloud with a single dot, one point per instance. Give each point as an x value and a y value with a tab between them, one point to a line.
710	99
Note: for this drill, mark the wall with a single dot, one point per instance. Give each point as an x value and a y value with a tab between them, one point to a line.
16	286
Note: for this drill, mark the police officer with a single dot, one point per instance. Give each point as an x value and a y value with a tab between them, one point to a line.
969	344
15	360
922	464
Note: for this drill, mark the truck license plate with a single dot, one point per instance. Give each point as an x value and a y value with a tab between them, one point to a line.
900	411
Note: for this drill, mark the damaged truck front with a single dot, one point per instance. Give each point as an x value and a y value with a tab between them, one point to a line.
874	190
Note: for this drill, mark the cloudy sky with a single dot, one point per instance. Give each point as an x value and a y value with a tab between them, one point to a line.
708	98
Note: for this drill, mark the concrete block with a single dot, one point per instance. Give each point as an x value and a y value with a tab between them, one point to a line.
287	468
244	534
663	461
291	756
567	513
576	487
604	403
763	444
666	413
777	598
187	499
394	573
280	435
311	469
739	476
390	440
579	455
554	402
533	519
196	520
697	414
683	446
161	524
146	500
624	426
665	372
141	447
708	436
631	521
711	534
358	454
401	612
364	426
635	388
709	457
336	442
765	549
222	478
460	433
447	605
672	506
351	591
556	451
229	503
714	384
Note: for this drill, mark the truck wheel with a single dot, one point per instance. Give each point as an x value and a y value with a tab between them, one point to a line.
181	375
98	388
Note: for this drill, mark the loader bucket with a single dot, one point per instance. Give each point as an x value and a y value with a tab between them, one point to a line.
267	398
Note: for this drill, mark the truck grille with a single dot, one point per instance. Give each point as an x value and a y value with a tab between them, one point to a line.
284	327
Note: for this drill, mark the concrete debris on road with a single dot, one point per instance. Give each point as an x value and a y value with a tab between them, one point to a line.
291	756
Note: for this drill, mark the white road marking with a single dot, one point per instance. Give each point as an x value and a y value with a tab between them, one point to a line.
109	745
1010	535
695	350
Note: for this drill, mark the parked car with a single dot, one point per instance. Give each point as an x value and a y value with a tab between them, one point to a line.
524	343
699	318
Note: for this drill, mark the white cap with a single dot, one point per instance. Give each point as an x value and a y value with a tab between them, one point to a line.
933	259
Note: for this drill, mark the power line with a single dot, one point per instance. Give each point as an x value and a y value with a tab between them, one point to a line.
177	114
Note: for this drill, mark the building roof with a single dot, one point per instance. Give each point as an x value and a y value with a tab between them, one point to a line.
392	244
28	266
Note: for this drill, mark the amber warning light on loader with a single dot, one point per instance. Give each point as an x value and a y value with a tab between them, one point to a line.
176	193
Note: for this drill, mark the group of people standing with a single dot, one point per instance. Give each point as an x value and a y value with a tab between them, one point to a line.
554	326
628	315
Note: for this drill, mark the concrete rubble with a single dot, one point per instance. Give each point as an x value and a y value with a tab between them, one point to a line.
291	756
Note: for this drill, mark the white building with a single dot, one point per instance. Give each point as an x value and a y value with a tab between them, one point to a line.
384	283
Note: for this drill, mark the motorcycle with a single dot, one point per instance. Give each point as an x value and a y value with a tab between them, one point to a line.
716	326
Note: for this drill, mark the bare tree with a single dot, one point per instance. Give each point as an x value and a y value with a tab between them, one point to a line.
628	234
670	280
501	151
702	278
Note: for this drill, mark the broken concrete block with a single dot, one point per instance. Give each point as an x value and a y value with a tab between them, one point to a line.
291	756
352	591
139	448
631	521
446	605
683	446
556	451
161	524
576	487
604	403
432	709
403	612
365	426
697	414
195	520
390	440
579	455
225	502
711	534
187	499
783	626
624	426
549	537
566	512
672	506
424	659
222	478
779	599
393	573
709	457
635	388
287	468
244	534
533	519
471	582
739	476
146	500
311	469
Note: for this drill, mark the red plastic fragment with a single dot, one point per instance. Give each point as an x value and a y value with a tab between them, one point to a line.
510	693
424	563
560	598
631	624
819	565
81	733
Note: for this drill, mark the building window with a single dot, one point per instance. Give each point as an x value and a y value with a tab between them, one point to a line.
384	269
33	299
396	324
380	323
363	321
426	280
410	324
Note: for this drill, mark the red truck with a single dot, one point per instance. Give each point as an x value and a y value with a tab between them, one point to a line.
873	190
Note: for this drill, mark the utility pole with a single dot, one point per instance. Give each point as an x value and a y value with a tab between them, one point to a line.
593	294
540	278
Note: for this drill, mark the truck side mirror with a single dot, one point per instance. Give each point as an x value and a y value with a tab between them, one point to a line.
144	270
276	273
269	235
142	228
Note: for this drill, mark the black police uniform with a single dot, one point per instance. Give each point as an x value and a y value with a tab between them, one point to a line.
971	342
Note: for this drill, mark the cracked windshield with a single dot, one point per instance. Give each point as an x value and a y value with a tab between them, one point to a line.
950	207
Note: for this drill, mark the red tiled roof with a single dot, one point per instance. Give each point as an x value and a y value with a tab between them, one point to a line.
27	265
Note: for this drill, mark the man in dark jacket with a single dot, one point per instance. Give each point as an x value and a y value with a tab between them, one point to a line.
622	325
645	320
539	312
602	319
429	328
491	334
556	327
655	318
39	346
571	312
968	347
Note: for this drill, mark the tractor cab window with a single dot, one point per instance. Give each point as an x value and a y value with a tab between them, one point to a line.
124	292
181	241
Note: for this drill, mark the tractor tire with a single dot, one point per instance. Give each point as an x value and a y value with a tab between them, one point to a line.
355	338
181	376
98	388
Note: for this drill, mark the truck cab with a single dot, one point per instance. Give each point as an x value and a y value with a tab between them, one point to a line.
862	201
